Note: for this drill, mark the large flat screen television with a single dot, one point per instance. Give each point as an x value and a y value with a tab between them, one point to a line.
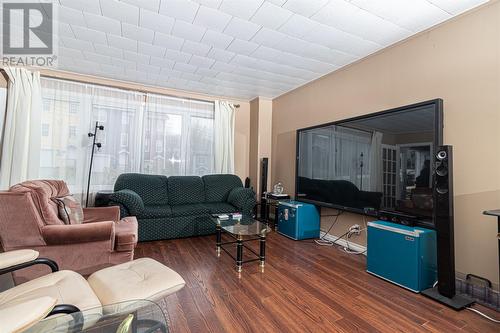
379	161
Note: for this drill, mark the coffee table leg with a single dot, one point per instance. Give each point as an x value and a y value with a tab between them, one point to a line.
218	235
239	254
262	242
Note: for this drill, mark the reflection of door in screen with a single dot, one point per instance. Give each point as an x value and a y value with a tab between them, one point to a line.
389	170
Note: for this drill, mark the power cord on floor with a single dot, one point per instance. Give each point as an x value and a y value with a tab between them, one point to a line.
351	232
322	241
483	315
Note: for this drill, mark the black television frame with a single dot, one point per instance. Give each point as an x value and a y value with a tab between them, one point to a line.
438	141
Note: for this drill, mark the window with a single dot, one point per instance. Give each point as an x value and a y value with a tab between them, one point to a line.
45	129
164	135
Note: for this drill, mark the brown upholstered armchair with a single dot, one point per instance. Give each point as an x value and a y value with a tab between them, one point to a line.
29	219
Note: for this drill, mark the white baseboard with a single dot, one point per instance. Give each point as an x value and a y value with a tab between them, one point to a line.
343	243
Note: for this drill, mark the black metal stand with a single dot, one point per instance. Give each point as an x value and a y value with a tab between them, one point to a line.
457	302
239	254
94	144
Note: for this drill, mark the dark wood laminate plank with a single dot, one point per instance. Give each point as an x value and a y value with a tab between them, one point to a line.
304	288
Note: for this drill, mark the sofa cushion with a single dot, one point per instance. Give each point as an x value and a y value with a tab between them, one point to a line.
185	190
153	189
220	207
151	212
217	187
190	209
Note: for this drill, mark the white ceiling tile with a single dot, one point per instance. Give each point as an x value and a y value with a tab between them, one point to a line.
278	2
191	77
97	58
242	46
244	60
108	50
122	42
206	72
71	16
168	41
298	26
76	43
271	16
349	18
340	40
136	57
195	48
65	30
211	18
120	11
216	39
221	55
179	9
148	68
90	35
241	8
178	56
267	53
138	33
223	67
456	7
180	66
69	53
90	6
151	50
112	69
104	24
125	63
241	29
188	31
410	14
153	5
209	3
268	37
305	8
162	62
201	61
156	22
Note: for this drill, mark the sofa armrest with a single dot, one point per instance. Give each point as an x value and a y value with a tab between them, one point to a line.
129	199
12	258
243	199
99	214
61	234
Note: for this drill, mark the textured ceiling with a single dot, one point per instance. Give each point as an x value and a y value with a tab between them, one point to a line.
236	48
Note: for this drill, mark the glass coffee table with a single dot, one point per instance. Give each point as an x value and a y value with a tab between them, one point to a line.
242	230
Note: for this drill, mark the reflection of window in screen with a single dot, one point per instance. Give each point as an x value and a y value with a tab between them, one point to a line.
3	105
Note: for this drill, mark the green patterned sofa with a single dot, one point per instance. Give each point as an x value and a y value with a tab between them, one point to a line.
179	206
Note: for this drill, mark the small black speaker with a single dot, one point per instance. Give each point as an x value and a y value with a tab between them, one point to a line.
264	165
443	220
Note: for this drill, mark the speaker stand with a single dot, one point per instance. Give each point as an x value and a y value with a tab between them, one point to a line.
458	302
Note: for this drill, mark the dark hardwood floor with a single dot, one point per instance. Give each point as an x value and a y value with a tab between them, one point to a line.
304	288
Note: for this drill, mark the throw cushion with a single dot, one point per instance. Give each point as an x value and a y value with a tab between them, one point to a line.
151	188
70	210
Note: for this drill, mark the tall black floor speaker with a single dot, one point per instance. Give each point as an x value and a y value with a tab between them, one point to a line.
264	168
443	218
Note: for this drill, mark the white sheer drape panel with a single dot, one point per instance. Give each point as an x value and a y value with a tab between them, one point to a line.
142	133
178	136
224	137
21	136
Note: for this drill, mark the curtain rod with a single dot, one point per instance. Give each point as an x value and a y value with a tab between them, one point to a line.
127	89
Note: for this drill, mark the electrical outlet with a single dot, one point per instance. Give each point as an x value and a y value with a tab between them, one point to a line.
355	229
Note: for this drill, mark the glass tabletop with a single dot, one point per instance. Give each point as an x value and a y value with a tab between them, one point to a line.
242	226
139	316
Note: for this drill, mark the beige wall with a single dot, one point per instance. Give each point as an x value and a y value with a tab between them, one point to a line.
260	138
242	118
458	61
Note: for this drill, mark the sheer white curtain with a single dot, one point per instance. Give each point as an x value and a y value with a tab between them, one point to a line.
21	137
144	133
70	111
178	136
376	162
224	137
